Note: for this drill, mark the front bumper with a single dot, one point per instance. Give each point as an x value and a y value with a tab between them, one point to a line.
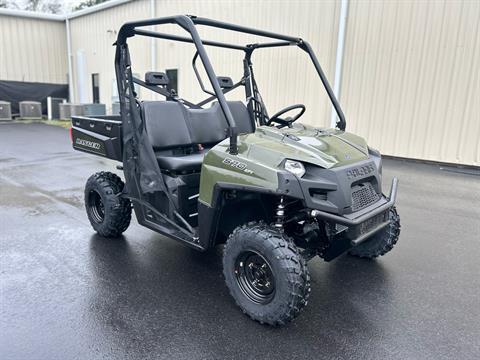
355	220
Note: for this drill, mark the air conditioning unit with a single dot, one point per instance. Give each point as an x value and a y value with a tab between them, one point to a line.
116	108
5	110
76	109
94	109
67	110
64	111
53	107
30	109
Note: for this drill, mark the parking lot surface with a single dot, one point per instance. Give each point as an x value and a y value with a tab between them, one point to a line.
66	293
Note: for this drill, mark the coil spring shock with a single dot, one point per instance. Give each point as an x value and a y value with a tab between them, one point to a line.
280	214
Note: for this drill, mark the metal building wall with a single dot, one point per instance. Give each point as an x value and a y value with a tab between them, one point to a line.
32	50
285	75
411	78
94	34
295	78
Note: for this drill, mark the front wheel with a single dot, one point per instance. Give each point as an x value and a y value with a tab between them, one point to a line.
383	241
266	274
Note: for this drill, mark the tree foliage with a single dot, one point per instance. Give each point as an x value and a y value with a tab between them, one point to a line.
47	6
88	3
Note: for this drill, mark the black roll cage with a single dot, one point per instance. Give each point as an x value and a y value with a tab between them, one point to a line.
188	23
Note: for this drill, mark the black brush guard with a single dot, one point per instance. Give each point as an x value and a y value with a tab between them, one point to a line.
372	216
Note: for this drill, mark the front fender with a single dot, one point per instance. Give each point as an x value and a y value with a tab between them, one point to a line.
219	167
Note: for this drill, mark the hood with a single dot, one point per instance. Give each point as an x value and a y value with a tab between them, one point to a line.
326	148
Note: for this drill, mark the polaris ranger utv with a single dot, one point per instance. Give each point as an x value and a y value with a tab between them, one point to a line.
275	192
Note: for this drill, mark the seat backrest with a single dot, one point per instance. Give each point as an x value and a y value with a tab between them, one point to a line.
208	126
244	122
165	124
170	124
240	115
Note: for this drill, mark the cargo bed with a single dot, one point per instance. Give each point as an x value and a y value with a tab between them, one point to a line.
99	135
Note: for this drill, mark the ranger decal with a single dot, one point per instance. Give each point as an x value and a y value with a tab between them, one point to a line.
87	143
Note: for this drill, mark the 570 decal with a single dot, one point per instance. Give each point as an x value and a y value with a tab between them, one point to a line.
237	165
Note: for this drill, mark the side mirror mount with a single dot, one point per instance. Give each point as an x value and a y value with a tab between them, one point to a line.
156	78
225	82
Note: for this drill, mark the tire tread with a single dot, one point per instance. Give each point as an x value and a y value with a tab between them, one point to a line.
295	265
109	185
383	243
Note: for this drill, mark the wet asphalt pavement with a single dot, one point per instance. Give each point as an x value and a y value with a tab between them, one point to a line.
66	293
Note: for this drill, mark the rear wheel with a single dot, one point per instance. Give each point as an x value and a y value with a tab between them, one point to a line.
382	242
108	213
266	274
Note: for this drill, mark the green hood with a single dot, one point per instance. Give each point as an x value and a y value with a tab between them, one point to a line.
261	155
322	147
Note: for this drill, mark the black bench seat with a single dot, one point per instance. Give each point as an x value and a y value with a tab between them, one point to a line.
181	163
176	132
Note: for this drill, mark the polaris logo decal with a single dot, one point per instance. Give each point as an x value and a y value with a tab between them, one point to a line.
360	171
87	143
237	165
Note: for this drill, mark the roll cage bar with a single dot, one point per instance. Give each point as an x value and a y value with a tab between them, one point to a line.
125	79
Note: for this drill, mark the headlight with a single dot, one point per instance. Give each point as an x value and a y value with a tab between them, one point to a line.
377	157
295	167
374	152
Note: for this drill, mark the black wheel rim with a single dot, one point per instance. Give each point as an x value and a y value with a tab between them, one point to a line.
255	277
96	207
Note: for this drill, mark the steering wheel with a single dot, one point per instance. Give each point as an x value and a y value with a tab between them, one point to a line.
289	120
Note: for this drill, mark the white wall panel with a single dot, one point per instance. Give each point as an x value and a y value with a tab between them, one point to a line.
285	75
32	50
95	33
411	78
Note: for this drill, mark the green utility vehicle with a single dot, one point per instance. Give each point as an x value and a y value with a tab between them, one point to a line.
275	192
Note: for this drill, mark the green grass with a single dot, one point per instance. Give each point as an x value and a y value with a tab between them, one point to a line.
66	124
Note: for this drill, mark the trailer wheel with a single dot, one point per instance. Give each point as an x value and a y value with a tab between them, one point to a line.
382	242
266	274
108	213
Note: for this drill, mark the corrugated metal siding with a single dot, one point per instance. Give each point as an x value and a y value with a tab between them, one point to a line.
294	78
411	82
95	33
32	50
285	75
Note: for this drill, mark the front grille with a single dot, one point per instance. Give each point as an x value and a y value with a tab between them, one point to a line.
363	195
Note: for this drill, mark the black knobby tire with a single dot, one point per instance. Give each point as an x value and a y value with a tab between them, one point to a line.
382	242
286	267
108	213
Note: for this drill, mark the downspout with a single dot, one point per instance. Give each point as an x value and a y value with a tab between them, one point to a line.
153	42
71	94
342	25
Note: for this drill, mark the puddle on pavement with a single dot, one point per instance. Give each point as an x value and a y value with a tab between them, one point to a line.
36	201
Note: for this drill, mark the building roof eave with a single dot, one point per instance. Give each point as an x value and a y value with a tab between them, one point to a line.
56	17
